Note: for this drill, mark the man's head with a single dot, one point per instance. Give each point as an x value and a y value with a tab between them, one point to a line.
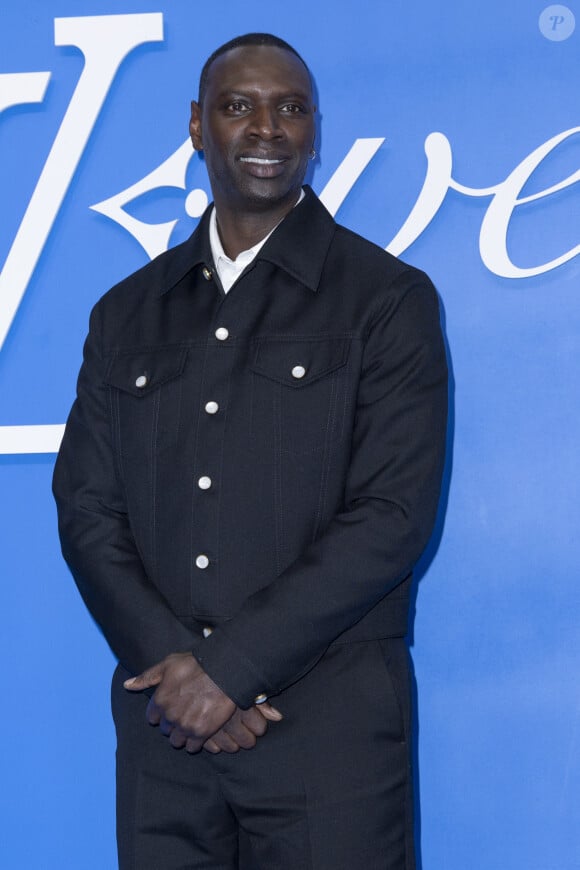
254	120
248	39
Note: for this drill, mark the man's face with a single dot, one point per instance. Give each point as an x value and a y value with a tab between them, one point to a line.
256	127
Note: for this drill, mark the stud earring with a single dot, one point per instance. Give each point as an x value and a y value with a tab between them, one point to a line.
312	154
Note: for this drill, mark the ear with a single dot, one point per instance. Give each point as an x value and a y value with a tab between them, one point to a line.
195	126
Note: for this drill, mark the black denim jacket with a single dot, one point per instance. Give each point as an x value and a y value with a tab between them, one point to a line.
321	464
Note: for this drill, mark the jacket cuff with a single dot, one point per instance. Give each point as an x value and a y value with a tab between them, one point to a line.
230	670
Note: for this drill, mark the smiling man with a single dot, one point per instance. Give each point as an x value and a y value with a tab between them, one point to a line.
248	475
254	123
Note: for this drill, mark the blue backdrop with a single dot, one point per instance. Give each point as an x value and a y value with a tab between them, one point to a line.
450	133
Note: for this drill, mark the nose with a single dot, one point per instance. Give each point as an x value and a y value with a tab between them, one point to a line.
265	122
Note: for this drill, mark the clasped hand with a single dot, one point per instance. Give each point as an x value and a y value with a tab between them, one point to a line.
193	712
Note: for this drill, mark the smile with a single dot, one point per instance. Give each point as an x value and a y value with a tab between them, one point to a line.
261	161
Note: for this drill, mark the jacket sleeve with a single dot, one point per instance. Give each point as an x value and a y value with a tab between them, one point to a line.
390	503
95	532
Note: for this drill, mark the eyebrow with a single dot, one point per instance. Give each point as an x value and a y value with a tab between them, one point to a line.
249	91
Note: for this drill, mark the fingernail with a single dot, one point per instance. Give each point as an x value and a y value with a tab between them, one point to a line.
129	682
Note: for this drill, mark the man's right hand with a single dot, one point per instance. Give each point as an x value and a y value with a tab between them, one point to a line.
185	701
242	730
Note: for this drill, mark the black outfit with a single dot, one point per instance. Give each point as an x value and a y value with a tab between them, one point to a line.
321	469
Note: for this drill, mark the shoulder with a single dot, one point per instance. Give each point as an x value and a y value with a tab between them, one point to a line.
130	312
150	279
369	259
163	272
356	265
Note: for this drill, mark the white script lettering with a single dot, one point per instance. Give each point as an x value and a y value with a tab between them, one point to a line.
105	41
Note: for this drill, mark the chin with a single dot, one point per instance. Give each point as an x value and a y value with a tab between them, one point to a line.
270	194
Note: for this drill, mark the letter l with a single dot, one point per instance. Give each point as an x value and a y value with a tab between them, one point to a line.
105	41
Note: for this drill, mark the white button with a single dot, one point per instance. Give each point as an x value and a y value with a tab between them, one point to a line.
221	333
202	561
207	273
204	482
207	630
298	372
211	408
259	699
141	382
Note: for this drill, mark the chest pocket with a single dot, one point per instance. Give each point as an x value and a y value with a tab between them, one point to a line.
147	398
300	391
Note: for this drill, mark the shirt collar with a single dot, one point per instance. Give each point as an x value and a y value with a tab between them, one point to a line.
244	257
219	255
307	229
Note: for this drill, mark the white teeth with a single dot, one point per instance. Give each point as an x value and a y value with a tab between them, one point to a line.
261	160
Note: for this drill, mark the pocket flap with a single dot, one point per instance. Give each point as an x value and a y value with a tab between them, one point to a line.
297	363
141	372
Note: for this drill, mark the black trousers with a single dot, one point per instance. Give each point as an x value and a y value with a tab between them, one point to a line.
328	788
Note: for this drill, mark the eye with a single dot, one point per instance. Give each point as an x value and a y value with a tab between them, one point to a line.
292	109
237	107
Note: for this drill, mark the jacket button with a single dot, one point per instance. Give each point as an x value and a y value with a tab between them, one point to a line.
207	273
298	372
211	408
141	382
259	699
204	482
221	333
202	561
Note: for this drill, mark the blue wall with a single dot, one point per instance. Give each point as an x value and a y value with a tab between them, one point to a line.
476	106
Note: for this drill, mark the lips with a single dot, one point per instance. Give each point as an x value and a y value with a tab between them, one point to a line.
261	161
265	166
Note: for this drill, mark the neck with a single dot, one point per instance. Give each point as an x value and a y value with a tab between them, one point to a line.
240	230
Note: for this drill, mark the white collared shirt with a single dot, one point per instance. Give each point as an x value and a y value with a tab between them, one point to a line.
230	270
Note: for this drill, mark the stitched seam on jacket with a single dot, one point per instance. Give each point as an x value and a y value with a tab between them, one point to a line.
153	480
325	470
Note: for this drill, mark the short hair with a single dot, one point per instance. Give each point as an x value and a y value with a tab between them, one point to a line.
247	39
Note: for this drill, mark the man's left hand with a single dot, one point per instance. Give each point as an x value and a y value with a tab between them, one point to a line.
187	704
243	729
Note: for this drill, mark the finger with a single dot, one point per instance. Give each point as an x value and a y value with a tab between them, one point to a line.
193	745
242	736
269	712
209	745
153	713
225	742
253	720
167	728
150	677
177	738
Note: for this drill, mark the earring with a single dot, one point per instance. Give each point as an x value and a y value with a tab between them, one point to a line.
312	154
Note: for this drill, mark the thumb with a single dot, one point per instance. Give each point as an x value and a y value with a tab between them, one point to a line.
150	677
269	712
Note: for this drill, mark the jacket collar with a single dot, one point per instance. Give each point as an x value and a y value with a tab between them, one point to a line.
298	245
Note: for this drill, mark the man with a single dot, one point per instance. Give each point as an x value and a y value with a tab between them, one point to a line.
247	477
